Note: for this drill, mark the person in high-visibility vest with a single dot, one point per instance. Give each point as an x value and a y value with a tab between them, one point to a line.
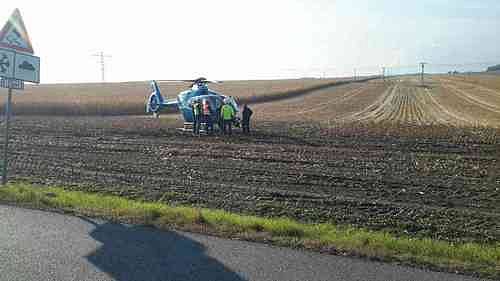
227	115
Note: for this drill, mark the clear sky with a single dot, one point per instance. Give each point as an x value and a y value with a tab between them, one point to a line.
232	39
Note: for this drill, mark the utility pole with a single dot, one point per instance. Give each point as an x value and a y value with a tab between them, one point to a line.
355	74
383	73
102	61
422	65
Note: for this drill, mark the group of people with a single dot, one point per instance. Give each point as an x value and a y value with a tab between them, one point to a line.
226	115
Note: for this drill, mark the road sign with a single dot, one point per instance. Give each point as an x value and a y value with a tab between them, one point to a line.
12	84
16	65
27	68
6	63
14	35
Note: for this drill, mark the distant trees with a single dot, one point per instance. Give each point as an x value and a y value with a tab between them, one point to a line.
494	68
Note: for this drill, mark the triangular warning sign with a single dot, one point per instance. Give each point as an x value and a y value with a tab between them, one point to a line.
14	35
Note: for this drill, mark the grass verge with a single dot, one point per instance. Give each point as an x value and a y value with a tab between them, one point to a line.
479	259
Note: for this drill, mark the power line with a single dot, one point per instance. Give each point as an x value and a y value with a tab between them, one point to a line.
482	63
422	65
396	69
102	61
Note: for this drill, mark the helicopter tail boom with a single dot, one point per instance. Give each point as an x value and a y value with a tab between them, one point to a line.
156	101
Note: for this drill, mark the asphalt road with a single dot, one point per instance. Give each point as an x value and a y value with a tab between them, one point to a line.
36	245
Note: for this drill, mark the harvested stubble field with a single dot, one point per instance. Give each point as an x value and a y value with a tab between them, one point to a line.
129	98
403	100
383	155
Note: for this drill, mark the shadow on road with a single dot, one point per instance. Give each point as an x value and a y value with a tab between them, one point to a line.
140	253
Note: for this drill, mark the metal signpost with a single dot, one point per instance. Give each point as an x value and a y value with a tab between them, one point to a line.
16	66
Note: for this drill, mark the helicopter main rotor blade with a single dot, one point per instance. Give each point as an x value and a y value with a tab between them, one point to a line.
201	79
190	81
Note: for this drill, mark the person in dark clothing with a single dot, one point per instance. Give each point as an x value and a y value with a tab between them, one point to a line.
220	121
245	122
207	117
196	117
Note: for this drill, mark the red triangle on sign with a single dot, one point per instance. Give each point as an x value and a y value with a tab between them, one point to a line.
14	35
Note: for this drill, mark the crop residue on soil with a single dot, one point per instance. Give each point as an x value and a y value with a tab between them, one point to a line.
443	186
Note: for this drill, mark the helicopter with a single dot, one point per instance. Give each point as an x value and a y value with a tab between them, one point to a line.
198	92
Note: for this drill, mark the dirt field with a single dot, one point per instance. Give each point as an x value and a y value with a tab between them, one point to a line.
441	101
384	155
129	98
487	80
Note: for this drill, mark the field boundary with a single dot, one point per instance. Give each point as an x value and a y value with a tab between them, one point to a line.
97	108
471	258
297	93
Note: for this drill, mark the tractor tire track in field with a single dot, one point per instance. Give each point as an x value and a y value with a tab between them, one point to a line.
372	109
492	92
348	96
445	115
472	99
399	104
324	104
406	103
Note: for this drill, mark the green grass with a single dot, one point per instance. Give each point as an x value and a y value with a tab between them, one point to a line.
466	257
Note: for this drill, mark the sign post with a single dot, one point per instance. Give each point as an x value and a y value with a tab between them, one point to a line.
6	141
16	66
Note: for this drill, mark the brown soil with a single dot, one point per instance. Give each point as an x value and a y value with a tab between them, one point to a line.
394	155
442	183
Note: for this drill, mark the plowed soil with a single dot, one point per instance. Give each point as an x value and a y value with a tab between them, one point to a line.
393	156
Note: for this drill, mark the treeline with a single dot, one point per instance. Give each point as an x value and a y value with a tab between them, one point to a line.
494	68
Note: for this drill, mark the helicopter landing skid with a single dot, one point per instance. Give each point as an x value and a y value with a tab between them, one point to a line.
188	128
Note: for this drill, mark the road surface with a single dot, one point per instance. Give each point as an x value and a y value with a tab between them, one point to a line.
36	245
